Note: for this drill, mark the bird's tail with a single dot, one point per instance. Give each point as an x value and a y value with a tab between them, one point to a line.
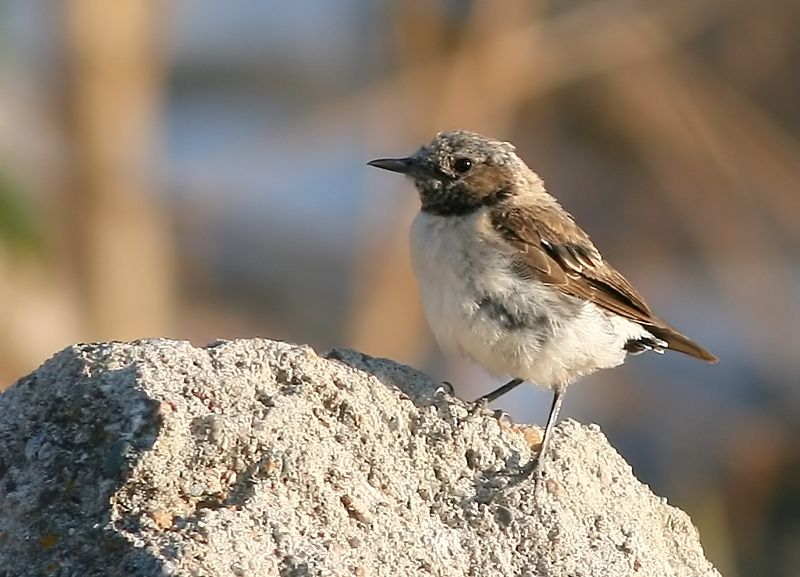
681	343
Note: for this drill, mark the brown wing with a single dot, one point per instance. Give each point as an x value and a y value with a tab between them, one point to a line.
553	249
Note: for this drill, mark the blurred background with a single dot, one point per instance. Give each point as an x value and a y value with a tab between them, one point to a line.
196	169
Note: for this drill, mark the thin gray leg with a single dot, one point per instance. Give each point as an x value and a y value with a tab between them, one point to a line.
558	396
500	391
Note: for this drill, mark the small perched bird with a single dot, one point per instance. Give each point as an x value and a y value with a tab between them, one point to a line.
509	280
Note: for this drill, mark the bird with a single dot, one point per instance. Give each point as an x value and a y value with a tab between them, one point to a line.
509	280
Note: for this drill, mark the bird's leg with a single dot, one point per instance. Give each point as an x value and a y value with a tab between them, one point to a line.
555	408
500	391
558	395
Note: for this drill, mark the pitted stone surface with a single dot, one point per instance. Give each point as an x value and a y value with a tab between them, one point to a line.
255	457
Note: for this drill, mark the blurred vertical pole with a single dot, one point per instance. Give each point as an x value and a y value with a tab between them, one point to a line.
387	319
121	243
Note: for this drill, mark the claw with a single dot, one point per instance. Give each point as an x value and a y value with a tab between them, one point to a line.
502	416
479	406
446	388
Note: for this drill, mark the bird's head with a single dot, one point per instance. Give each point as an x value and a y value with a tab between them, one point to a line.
460	171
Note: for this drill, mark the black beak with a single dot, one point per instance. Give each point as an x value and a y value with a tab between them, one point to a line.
402	165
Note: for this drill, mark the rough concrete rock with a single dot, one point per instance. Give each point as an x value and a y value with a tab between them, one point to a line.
262	458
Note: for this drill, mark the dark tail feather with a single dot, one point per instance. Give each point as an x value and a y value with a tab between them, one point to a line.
681	343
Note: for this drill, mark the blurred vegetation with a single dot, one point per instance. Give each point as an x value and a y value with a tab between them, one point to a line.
20	230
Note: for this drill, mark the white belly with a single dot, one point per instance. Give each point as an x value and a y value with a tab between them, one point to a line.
467	288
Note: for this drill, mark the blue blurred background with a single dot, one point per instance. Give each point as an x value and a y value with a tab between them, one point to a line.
196	169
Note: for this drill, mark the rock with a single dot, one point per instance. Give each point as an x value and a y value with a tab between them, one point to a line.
262	458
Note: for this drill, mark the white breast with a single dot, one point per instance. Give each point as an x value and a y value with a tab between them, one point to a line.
461	266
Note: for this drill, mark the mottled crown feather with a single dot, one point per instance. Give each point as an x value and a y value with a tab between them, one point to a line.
447	146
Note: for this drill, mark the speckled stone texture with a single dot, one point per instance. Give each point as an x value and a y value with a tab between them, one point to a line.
262	458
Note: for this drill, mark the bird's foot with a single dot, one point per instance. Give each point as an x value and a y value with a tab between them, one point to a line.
479	406
537	473
445	388
502	416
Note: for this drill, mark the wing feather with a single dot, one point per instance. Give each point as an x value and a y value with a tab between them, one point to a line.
551	248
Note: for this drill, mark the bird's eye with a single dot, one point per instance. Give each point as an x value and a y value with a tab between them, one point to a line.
462	165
